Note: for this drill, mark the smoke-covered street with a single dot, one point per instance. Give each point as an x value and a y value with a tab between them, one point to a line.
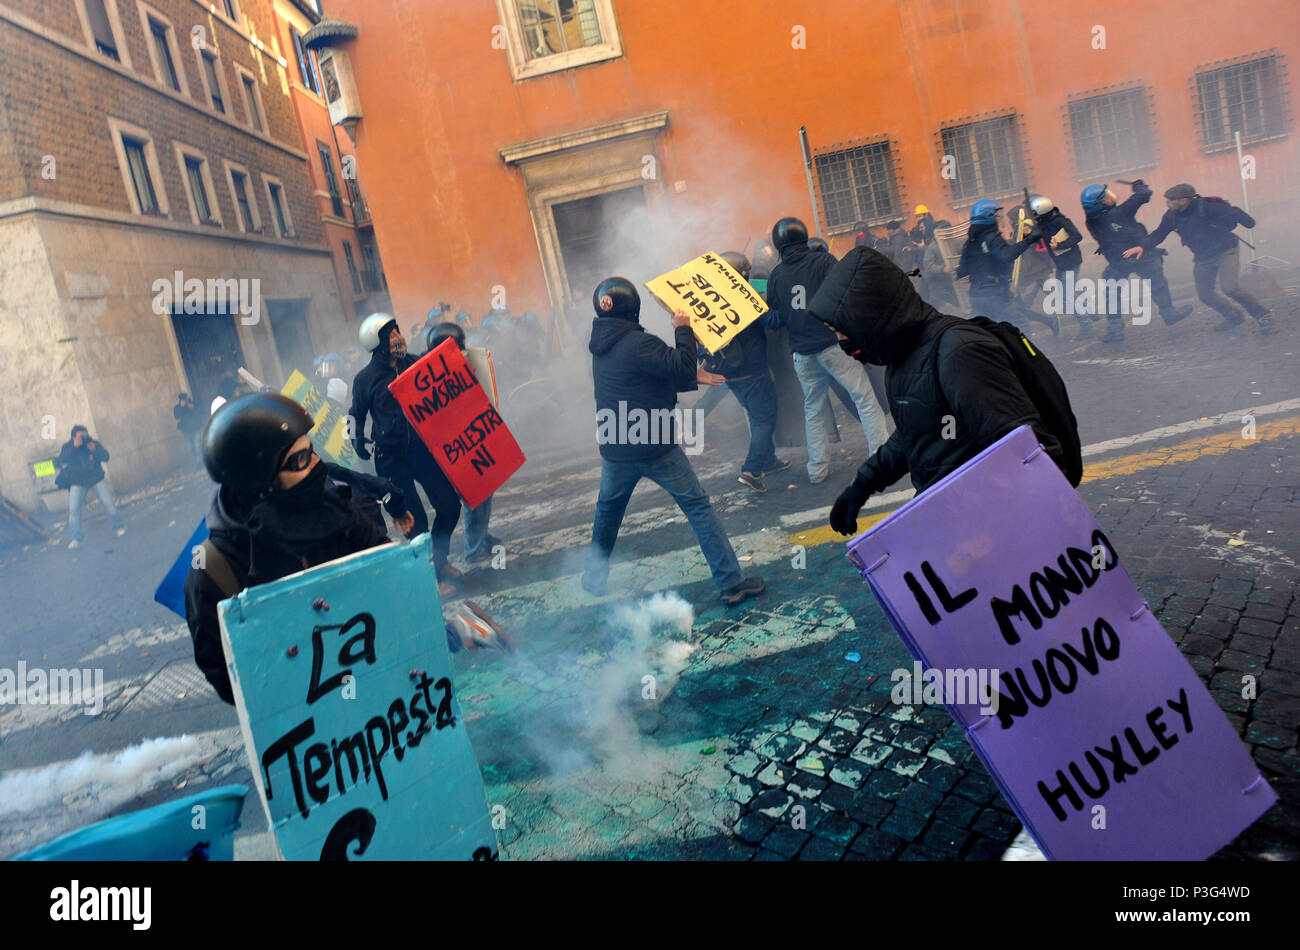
656	722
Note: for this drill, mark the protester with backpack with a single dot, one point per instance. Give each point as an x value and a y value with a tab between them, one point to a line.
955	385
1205	225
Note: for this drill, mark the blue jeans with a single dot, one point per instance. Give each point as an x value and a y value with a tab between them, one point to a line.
758	396
476	527
815	371
77	495
673	473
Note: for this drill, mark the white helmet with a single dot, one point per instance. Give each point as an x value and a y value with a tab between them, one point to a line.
370	328
1040	204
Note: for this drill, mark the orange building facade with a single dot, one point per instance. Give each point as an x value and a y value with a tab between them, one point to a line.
515	152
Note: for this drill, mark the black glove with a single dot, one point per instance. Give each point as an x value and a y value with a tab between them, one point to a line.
844	513
359	447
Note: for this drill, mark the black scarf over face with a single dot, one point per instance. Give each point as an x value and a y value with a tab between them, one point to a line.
311	523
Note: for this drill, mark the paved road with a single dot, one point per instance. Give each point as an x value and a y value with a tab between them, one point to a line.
758	712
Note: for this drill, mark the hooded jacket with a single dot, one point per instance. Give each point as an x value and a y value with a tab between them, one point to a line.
81	466
263	541
936	366
389	429
799	268
635	370
743	357
1205	227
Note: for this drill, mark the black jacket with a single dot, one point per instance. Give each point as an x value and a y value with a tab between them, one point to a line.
1205	227
1066	255
743	357
189	419
80	465
936	366
642	372
261	548
986	258
1116	229
389	429
799	268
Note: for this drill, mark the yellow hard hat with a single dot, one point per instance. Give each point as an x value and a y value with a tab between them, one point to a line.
921	209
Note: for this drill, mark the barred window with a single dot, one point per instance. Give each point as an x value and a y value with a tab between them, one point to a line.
1112	132
857	184
1244	97
989	157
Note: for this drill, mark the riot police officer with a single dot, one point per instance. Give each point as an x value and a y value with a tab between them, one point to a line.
1115	228
986	259
1062	239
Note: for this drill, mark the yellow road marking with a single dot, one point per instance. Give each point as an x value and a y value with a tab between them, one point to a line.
1111	468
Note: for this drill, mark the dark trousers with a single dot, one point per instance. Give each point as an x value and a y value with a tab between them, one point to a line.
673	473
998	303
757	394
418	466
1224	269
1149	268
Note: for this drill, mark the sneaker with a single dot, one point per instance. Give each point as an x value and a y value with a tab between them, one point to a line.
121	531
1226	325
449	572
596	588
780	466
487	632
749	587
1176	314
446	589
73	545
754	480
492	541
818	481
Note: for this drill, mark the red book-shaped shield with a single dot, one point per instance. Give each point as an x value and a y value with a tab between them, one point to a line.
451	413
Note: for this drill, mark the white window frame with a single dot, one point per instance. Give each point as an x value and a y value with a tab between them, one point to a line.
248	74
231	168
267	182
119	128
221	83
114	23
183	152
219	8
148	13
521	67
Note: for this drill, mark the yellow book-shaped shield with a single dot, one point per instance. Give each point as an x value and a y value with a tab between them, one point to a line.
719	301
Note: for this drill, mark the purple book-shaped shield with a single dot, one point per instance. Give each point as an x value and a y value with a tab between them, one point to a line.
1098	731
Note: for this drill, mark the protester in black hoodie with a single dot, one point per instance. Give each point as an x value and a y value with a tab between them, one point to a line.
637	378
937	366
275	513
81	466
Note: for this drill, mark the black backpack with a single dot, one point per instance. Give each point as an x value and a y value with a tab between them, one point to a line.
1045	388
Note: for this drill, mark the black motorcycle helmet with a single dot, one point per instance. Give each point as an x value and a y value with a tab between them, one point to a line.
818	244
246	440
737	262
441	332
616	297
789	231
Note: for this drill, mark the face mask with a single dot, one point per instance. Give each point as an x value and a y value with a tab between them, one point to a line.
306	492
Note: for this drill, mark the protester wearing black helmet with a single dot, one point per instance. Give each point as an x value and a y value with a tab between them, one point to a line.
400	455
638	376
478	542
275	513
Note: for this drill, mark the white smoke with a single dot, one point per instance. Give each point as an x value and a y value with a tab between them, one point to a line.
600	722
92	785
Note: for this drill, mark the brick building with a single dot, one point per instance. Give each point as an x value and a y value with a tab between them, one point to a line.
537	145
159	226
